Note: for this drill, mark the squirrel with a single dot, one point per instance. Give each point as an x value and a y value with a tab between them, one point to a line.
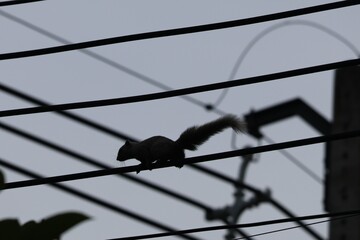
162	149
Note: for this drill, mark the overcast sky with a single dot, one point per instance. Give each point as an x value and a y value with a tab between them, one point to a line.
178	62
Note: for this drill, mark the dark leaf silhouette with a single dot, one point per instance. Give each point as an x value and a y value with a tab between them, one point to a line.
47	229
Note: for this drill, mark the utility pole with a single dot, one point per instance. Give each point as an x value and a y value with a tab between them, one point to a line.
342	167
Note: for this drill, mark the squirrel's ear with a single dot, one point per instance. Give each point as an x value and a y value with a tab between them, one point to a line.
127	143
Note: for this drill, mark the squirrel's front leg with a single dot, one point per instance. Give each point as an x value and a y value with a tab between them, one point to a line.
146	160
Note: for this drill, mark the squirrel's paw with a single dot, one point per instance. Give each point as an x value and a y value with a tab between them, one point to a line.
177	163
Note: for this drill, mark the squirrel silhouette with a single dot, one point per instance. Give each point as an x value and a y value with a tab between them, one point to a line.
162	149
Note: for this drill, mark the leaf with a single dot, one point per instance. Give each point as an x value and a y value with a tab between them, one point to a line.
52	227
10	229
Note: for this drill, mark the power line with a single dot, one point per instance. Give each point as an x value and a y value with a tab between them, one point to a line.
93	199
294	227
183	91
297	162
244	225
180	31
15	2
191	160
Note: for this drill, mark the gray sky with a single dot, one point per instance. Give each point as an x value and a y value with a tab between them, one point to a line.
180	61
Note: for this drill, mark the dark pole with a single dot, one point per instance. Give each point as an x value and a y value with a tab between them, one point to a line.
343	159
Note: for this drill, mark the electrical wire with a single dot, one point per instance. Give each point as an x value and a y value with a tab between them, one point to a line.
191	160
180	31
294	227
16	2
271	29
183	91
93	199
297	162
244	225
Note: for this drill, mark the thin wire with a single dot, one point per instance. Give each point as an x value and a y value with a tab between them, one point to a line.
294	227
16	2
244	225
93	199
179	31
272	28
191	160
183	91
297	162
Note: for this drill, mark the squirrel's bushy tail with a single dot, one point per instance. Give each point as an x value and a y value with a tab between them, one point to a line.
197	135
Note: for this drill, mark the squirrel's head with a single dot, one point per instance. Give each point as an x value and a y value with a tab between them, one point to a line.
125	152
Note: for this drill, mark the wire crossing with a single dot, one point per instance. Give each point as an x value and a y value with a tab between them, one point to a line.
180	31
191	160
183	91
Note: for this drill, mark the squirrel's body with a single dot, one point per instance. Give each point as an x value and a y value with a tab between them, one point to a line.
162	149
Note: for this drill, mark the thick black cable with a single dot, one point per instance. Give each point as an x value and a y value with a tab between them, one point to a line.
191	160
244	225
183	91
93	199
15	2
180	31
